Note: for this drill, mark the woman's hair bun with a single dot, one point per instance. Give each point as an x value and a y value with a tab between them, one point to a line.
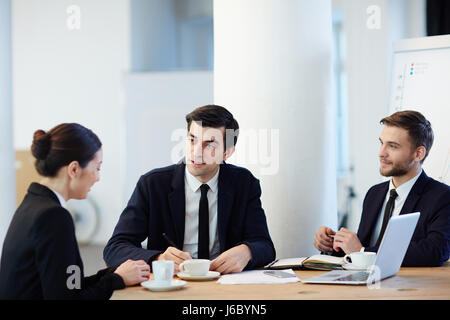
42	144
61	145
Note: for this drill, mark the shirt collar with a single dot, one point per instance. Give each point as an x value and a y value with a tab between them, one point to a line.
405	188
60	198
195	184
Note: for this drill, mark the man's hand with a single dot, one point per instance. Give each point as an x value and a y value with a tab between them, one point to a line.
177	256
347	241
322	240
232	260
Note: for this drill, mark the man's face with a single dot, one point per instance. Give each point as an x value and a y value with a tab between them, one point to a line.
397	154
205	150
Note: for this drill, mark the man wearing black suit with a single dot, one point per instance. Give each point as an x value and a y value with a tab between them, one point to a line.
198	208
405	141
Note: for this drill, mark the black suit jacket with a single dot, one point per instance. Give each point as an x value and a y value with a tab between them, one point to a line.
157	206
38	250
430	243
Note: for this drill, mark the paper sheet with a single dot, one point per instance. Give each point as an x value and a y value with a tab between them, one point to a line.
255	277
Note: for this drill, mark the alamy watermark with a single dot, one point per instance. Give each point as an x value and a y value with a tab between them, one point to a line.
255	147
374	17
374	280
73	21
74	278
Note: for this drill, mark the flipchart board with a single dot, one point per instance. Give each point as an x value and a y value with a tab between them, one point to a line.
421	82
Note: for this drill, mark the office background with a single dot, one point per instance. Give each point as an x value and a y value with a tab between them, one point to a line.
307	81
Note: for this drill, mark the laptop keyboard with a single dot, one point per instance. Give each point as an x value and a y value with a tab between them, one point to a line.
357	276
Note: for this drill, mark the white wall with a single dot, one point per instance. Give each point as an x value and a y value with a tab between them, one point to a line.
63	75
7	187
157	103
369	53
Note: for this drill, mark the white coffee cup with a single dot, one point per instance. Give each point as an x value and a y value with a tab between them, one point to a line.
163	272
195	267
361	259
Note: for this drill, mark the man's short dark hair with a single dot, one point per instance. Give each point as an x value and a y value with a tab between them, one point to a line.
419	128
215	116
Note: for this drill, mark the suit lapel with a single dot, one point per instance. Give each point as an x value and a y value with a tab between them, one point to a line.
177	204
375	206
414	194
224	203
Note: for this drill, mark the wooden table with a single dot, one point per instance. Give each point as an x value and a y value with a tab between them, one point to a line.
409	283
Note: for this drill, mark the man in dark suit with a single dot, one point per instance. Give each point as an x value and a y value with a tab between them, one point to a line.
405	141
198	208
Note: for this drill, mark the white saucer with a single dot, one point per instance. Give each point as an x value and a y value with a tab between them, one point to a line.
151	285
350	266
209	276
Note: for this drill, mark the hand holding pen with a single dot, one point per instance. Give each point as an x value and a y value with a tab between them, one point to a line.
174	254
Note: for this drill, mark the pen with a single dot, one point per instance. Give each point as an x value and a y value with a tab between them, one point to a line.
169	240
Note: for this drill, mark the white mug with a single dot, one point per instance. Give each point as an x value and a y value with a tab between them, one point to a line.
195	267
163	272
361	259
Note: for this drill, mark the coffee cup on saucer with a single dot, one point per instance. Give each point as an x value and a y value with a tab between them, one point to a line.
361	260
195	267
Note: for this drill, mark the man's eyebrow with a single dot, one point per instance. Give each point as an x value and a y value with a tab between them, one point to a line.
213	140
391	142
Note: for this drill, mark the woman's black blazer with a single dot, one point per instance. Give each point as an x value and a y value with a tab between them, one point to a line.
40	256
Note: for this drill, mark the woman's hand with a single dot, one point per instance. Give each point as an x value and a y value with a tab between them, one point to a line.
133	272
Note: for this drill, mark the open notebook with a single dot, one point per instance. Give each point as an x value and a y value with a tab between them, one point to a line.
317	262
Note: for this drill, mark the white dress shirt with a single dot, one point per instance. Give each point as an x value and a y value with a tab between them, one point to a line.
402	192
192	195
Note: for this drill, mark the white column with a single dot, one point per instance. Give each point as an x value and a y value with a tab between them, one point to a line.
7	184
273	72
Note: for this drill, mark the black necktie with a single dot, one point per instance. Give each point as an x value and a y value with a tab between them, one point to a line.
387	214
203	224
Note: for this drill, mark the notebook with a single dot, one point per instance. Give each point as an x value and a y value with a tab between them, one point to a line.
316	262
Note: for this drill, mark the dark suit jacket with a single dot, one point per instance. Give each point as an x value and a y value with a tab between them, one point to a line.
430	243
39	247
157	206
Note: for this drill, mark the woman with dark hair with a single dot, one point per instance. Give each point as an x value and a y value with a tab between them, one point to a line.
40	256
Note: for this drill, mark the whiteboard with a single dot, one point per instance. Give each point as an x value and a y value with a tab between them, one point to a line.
421	82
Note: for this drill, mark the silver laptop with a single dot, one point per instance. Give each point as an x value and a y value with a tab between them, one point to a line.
389	258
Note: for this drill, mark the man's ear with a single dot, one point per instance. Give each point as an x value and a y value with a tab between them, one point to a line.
73	169
420	153
228	153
